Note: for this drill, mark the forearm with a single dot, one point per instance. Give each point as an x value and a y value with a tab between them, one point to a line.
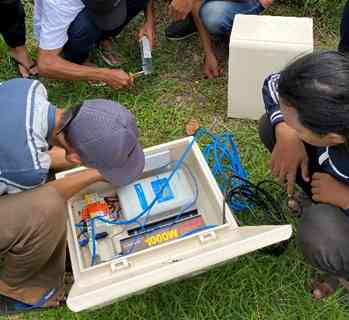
266	3
203	34
73	183
345	204
54	66
282	128
149	12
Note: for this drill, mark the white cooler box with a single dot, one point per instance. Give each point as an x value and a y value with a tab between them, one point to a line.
259	46
118	278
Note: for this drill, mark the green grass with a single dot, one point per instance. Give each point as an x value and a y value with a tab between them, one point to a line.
254	287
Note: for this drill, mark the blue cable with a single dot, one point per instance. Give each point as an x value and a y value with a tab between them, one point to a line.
93	235
189	233
178	214
222	147
151	205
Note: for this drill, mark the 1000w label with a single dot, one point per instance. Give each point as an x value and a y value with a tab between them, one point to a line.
161	237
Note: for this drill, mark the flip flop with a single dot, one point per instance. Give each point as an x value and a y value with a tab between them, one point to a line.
9	306
28	69
104	53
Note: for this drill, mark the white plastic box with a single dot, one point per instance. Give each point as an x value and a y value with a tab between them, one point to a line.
107	282
259	46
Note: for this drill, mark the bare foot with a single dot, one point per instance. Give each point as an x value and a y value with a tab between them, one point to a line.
26	65
327	286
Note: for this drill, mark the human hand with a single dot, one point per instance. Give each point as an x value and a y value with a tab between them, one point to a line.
288	154
148	30
327	189
117	79
266	3
179	9
211	68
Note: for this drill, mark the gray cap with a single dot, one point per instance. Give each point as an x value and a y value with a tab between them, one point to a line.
105	136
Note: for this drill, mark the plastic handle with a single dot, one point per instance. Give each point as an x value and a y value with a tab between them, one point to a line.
120	265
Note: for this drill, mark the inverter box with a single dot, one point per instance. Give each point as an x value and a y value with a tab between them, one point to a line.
119	277
260	46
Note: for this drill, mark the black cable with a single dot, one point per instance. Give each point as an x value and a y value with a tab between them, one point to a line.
264	199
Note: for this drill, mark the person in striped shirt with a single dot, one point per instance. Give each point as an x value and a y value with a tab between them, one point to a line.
99	134
306	129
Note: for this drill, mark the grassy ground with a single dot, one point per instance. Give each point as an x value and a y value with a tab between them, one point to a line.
256	286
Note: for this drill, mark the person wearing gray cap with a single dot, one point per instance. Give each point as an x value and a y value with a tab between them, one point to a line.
100	134
68	30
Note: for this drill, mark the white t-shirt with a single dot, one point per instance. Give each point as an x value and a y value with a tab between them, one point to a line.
52	19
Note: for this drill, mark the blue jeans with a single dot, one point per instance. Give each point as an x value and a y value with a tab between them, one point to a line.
84	35
218	15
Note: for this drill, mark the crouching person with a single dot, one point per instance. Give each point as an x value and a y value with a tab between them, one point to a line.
100	134
306	129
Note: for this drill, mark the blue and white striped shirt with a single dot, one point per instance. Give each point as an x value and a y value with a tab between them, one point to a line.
333	160
27	119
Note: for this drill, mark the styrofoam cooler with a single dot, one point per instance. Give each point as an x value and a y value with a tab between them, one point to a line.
259	46
105	283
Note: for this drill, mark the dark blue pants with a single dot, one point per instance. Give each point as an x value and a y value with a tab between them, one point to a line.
12	22
218	16
344	41
84	35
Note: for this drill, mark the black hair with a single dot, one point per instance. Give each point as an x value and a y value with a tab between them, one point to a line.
317	86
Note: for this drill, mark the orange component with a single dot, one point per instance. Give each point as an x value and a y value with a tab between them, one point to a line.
94	209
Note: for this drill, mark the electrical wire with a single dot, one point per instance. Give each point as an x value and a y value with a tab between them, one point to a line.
223	157
178	164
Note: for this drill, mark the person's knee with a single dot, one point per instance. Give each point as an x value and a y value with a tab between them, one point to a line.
322	236
83	36
314	226
53	211
212	16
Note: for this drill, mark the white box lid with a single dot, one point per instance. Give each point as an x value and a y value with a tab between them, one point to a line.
273	29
